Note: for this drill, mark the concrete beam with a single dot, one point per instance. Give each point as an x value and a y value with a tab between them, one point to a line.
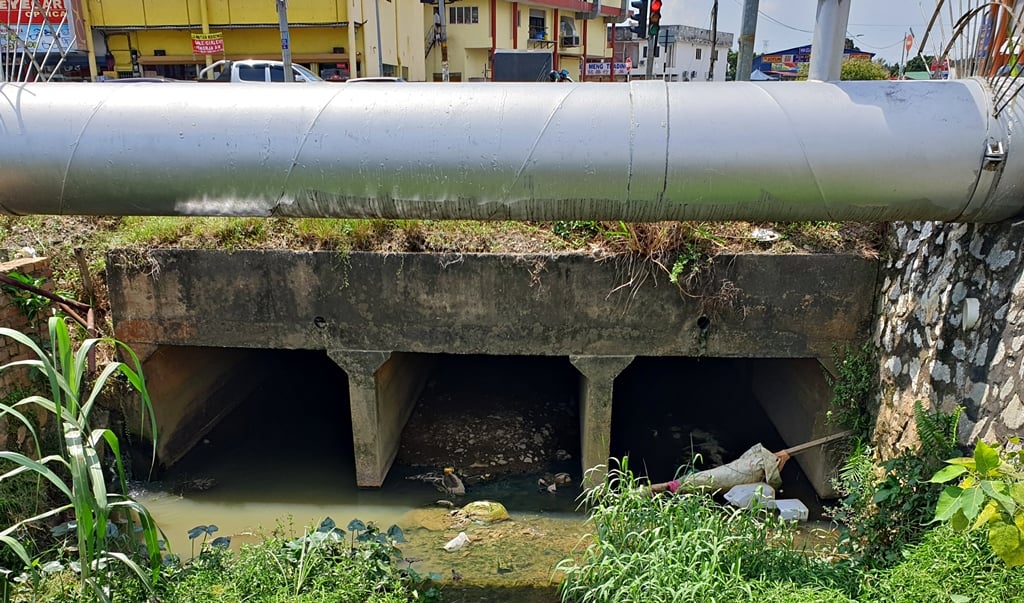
597	385
795	396
383	388
784	306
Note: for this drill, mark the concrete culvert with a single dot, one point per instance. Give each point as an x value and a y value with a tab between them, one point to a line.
671	413
495	416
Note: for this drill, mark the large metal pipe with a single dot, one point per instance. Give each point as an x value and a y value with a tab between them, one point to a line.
870	151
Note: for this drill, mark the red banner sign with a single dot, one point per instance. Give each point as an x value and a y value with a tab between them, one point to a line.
32	12
211	43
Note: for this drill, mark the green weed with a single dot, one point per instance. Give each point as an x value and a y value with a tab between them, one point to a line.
76	471
686	547
888	504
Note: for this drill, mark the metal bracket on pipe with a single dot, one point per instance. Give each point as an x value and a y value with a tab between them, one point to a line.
988	177
995	155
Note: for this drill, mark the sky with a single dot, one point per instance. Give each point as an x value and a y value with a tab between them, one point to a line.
878	26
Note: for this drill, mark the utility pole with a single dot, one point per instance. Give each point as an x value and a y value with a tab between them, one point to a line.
748	30
829	40
286	44
380	51
654	27
714	40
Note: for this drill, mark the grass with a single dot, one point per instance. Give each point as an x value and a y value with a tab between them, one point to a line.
689	548
676	249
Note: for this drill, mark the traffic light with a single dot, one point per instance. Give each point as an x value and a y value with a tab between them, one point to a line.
641	17
654	18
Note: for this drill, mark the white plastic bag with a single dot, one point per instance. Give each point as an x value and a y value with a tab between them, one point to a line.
457	543
746	496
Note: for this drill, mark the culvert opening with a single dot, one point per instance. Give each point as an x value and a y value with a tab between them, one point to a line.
495	418
289	440
673	413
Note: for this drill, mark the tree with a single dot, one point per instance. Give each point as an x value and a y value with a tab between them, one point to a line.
730	73
918	63
861	69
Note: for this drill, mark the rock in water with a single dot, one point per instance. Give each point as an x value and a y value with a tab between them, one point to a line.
486	511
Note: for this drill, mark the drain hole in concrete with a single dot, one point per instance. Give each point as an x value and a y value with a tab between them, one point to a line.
703	323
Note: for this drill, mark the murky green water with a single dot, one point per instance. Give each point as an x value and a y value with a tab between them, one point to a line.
299	469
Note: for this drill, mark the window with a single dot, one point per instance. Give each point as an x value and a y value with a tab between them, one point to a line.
460	15
538	25
699	53
252	73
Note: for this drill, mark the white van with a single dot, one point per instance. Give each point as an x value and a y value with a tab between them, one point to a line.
256	70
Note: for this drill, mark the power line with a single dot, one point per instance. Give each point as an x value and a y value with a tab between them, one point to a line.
776	21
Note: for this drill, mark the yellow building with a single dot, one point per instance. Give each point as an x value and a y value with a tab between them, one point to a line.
155	37
571	30
176	38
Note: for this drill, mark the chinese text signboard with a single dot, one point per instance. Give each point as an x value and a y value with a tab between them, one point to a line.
211	43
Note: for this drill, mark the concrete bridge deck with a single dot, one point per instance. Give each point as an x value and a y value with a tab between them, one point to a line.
383	318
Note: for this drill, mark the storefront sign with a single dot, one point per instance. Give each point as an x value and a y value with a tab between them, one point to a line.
211	43
604	69
40	26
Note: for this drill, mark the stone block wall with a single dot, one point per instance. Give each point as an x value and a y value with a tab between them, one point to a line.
950	330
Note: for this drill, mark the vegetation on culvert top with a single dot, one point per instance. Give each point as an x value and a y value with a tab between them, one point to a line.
678	251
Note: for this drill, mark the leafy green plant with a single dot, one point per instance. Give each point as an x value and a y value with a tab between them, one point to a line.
989	494
852	388
576	232
31	304
887	505
76	471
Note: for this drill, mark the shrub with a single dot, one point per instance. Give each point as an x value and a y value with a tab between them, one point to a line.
989	494
686	547
887	505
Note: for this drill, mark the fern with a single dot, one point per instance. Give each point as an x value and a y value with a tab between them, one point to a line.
857	473
937	432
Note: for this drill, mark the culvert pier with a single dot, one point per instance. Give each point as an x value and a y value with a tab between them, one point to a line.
201	318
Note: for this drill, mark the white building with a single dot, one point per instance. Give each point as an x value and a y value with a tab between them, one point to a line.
683	54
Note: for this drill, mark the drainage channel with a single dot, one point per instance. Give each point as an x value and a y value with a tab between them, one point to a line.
508	424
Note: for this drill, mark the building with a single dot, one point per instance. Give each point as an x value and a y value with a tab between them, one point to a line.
785	64
683	53
347	38
175	38
572	31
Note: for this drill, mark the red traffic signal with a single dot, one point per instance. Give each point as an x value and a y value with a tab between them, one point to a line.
654	19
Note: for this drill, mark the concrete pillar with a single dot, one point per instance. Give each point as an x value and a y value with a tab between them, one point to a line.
383	388
597	383
795	396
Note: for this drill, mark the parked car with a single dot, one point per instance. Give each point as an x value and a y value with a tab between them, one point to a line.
256	70
139	80
334	74
383	79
